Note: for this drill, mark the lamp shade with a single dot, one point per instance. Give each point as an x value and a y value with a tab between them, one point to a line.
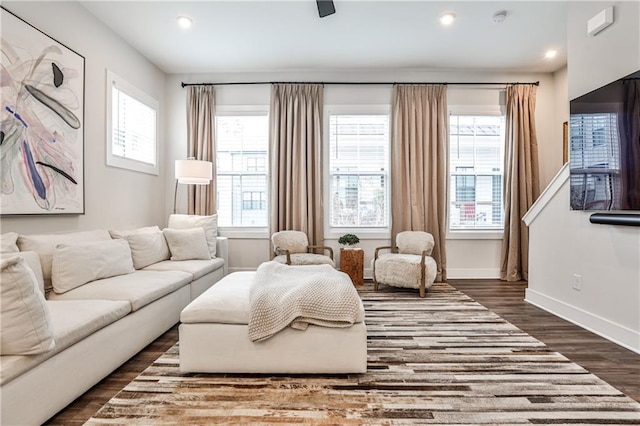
194	172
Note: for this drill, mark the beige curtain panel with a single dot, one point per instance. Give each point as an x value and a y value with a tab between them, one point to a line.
521	179
419	164
295	132
201	145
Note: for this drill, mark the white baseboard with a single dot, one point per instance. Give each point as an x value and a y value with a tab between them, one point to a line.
483	273
603	327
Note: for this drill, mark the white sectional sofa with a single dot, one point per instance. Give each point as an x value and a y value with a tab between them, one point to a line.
97	325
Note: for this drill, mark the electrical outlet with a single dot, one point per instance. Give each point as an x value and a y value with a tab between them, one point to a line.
577	282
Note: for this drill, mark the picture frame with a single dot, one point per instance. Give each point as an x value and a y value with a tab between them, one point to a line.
42	149
565	142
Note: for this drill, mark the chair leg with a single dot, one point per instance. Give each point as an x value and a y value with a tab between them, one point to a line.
375	282
422	283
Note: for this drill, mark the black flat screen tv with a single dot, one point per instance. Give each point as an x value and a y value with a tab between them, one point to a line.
604	147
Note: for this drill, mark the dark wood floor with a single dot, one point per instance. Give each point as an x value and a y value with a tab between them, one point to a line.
614	364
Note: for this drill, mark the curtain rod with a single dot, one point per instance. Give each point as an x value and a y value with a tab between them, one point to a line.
235	83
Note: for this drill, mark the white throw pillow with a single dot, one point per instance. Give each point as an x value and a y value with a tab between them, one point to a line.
208	223
8	242
77	264
33	262
147	248
143	230
24	317
43	244
187	244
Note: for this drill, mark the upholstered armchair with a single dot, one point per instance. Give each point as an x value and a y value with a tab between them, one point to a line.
292	248
407	264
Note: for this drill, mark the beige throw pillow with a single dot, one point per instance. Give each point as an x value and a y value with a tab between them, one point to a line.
147	248
208	223
24	315
124	234
77	264
147	244
43	244
187	244
8	242
33	262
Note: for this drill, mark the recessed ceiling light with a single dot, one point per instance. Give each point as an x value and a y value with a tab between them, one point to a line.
550	54
184	21
448	18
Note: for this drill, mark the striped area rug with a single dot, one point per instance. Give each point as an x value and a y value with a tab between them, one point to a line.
444	359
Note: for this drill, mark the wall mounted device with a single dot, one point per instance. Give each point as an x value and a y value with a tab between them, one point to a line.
601	21
325	8
615	219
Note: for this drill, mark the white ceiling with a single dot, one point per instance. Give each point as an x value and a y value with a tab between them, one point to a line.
289	35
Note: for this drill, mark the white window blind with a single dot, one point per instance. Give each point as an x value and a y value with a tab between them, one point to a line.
359	171
595	161
242	172
476	156
132	127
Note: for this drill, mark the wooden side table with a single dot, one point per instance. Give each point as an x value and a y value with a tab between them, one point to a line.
352	263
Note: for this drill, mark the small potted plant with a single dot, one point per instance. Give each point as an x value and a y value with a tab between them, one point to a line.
348	240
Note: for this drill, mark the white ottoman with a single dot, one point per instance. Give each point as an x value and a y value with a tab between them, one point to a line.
214	338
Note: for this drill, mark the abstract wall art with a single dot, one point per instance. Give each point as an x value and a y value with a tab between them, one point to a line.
41	122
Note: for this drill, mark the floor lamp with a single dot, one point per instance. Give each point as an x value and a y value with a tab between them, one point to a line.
192	172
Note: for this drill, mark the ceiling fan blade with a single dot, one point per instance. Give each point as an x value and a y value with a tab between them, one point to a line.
325	8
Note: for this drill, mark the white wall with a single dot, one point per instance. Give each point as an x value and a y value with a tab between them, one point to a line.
563	242
114	198
466	258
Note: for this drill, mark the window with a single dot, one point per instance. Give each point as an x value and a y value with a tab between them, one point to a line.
476	156
252	200
358	164
242	139
132	122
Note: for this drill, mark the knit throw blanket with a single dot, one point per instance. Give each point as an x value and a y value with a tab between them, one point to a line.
297	296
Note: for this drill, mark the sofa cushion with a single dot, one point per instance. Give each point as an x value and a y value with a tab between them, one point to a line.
139	288
43	244
72	321
147	248
24	317
403	270
79	263
33	260
208	223
8	242
187	244
226	302
197	268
